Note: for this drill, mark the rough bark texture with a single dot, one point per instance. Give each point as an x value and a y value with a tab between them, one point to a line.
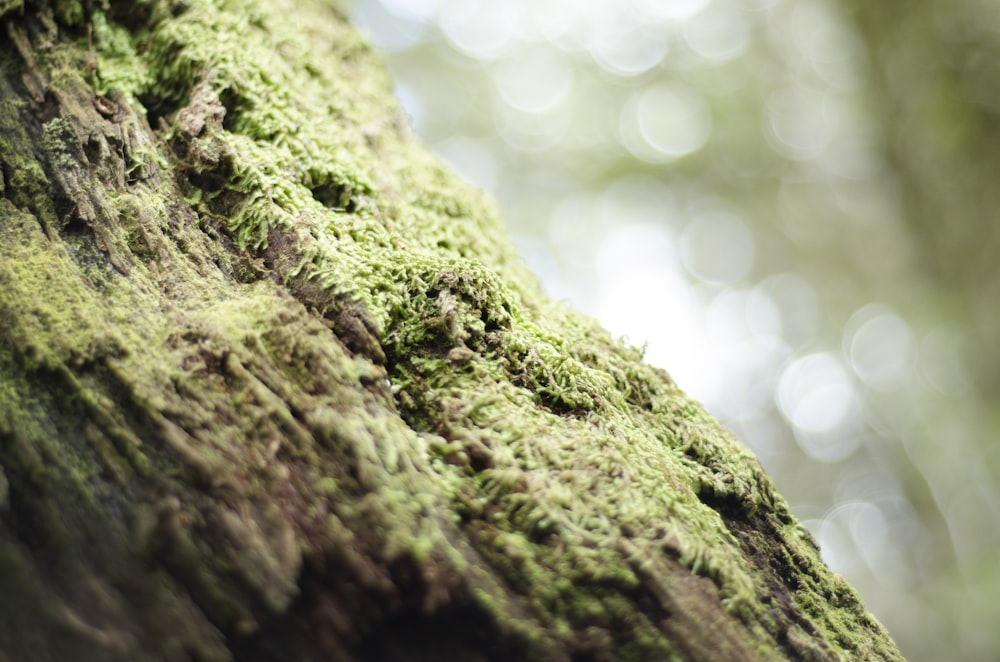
274	385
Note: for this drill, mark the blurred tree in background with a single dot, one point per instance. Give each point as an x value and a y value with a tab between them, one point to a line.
793	205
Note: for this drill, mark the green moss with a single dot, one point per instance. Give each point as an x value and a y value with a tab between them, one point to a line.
69	12
25	183
9	6
288	303
116	66
58	137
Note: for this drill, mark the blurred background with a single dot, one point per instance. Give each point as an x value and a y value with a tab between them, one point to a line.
793	205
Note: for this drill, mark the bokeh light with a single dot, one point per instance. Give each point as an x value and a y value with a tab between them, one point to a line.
664	122
715	180
717	247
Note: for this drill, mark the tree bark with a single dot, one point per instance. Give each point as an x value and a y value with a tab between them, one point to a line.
275	386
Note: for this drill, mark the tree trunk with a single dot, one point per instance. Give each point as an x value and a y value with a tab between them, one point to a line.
938	90
275	386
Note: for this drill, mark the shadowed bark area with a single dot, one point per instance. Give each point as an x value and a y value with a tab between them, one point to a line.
274	385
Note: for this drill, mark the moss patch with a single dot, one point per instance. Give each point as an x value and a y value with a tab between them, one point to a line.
300	368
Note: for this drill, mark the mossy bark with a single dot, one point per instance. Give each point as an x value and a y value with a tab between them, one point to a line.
274	385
